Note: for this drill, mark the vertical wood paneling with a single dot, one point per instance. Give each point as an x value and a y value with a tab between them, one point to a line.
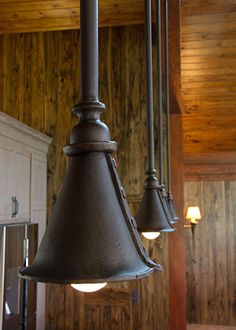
230	197
210	253
177	281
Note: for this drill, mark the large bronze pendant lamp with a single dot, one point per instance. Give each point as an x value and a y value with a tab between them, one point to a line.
170	199
92	237
151	216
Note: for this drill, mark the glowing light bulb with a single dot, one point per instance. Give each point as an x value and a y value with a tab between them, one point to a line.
151	235
88	287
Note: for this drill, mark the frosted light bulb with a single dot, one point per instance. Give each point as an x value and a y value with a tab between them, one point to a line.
88	287
151	235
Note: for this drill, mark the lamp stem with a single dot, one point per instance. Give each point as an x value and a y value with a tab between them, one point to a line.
167	95
89	50
148	39
159	60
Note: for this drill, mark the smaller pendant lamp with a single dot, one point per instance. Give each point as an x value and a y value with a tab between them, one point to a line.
163	192
92	237
151	217
169	197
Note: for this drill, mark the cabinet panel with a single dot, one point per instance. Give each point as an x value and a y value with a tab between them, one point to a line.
38	182
39	216
6	179
23	175
22	184
14	181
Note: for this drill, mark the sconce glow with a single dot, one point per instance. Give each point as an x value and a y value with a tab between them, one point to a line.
193	214
88	287
151	235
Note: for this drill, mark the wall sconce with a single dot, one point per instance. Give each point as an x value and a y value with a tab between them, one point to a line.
193	214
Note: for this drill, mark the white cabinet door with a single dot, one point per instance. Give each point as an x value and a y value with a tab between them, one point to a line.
38	182
14	181
6	178
22	183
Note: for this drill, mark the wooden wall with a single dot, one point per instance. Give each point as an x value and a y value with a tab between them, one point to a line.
39	83
208	41
177	279
210	250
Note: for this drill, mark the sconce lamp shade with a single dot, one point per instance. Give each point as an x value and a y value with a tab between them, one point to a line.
193	214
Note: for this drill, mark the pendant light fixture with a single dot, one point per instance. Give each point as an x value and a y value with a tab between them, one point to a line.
151	217
163	192
170	199
92	236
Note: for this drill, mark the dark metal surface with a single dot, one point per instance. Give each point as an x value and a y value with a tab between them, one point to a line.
149	82
160	109
163	193
88	51
153	214
92	236
170	200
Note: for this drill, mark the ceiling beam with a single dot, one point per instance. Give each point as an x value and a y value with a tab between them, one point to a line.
50	15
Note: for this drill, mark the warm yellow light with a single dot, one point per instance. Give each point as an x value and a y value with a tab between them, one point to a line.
151	235
88	287
193	214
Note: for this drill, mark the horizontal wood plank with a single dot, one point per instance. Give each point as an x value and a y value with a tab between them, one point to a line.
32	16
208	75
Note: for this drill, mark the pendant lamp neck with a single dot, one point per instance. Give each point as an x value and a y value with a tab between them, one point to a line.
89	50
167	95
90	134
159	54
148	39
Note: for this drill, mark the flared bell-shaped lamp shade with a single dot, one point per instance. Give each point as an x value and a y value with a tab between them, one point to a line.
151	216
170	201
92	236
166	205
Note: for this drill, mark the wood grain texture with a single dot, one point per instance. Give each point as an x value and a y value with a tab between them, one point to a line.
210	167
209	327
177	282
40	15
208	69
210	253
39	74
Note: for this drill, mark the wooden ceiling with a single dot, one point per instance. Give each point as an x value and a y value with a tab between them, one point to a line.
48	15
208	60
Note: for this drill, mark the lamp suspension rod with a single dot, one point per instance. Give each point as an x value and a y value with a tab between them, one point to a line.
89	51
148	40
159	65
167	95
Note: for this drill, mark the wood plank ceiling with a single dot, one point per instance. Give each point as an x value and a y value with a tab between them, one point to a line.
208	59
48	15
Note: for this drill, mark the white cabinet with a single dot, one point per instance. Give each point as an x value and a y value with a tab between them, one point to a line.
23	183
6	181
14	181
